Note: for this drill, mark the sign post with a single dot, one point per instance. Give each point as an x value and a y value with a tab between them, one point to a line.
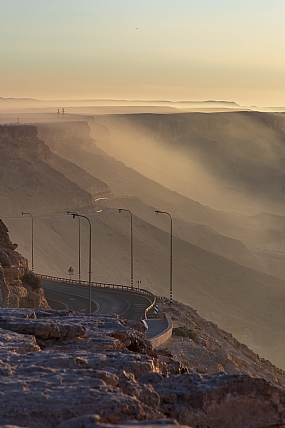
70	272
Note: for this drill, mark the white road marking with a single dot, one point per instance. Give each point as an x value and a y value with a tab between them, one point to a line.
77	295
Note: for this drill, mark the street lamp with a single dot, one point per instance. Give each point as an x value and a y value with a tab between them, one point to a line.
79	251
32	238
132	255
170	272
90	248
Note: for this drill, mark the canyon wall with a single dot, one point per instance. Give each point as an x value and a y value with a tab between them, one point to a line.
15	292
31	180
64	137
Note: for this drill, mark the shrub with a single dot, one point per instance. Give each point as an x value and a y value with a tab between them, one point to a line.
185	332
31	279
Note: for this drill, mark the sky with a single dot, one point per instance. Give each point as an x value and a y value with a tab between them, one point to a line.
230	50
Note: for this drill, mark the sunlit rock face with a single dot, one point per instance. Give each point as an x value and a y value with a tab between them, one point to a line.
206	349
64	369
13	294
8	256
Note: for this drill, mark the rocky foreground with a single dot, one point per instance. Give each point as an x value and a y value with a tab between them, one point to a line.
60	369
206	349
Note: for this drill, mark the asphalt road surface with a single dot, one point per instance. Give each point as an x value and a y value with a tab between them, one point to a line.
155	327
129	305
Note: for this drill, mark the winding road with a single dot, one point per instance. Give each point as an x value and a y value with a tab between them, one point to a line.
129	304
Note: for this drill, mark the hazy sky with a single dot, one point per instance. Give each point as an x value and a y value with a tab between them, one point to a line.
144	49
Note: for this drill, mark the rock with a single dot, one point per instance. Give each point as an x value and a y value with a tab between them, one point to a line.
10	426
18	343
213	350
44	329
14	294
93	421
9	258
144	392
86	421
64	380
237	401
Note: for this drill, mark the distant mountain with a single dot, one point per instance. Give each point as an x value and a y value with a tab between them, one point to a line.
18	99
227	103
22	102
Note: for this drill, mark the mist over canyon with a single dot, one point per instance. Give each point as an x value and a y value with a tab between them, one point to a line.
219	174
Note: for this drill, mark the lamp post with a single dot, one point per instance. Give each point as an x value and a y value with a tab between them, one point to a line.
90	255
79	251
32	238
132	255
170	270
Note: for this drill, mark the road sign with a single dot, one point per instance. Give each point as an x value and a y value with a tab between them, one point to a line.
70	271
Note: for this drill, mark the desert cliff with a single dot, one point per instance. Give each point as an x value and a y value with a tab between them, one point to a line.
72	136
31	181
18	287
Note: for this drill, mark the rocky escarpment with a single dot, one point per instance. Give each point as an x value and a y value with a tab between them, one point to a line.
28	182
204	348
64	137
14	292
60	369
55	134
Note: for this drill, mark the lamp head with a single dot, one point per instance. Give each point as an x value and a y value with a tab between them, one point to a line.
73	214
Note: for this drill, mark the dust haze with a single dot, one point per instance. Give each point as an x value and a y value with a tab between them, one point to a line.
217	168
232	174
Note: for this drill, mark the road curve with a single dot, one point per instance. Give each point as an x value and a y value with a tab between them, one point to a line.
129	304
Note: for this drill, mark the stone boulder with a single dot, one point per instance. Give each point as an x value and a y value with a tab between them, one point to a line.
59	369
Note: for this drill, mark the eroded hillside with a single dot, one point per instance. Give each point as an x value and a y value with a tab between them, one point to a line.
33	178
242	239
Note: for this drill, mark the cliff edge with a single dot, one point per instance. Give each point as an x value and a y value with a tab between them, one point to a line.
64	369
34	179
19	288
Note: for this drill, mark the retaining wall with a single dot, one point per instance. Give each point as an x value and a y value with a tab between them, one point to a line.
165	335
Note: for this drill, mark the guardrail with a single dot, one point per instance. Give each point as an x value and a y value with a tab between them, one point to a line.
101	285
157	340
